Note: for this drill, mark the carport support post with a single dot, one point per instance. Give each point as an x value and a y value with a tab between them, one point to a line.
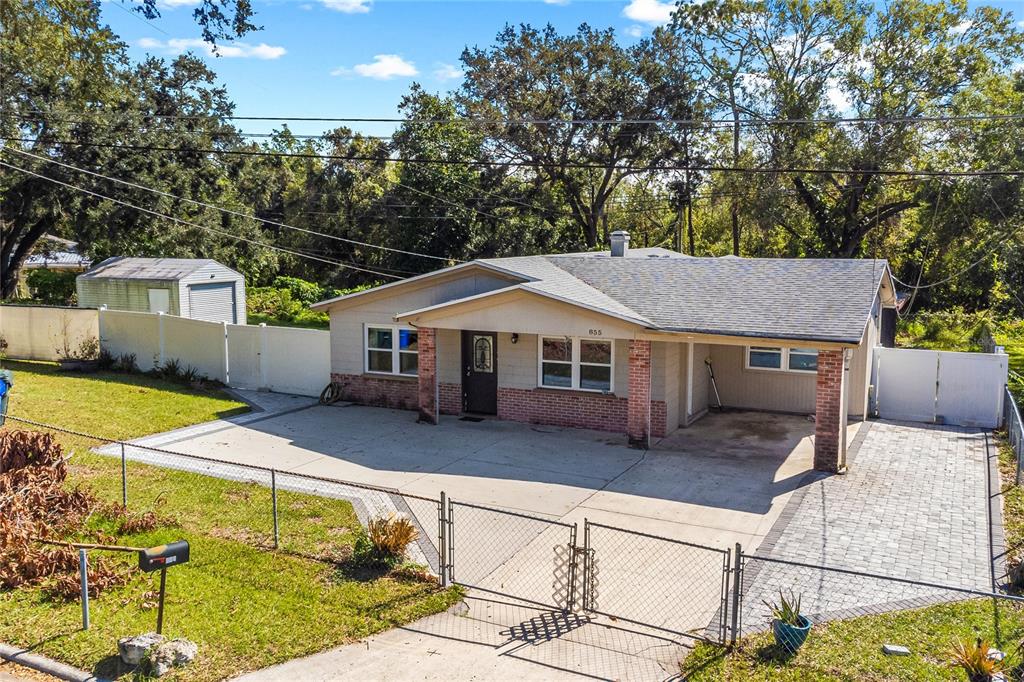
427	374
829	405
638	421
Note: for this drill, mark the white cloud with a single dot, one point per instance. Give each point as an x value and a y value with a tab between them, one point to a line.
961	28
348	6
837	97
635	30
384	67
177	3
447	72
176	46
556	2
654	12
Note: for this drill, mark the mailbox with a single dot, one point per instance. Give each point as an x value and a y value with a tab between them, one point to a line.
164	556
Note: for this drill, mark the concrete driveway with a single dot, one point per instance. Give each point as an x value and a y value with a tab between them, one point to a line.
722	481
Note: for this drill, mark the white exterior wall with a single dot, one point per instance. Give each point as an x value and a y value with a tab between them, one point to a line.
347	324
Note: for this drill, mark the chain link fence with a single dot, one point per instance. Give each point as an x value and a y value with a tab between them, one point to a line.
670	585
656	581
260	507
506	552
1014	429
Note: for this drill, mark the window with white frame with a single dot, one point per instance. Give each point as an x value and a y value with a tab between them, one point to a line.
782	359
575	363
390	349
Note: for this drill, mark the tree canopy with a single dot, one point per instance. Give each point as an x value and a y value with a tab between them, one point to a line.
796	128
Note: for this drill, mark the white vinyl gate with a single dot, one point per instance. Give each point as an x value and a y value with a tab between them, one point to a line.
963	389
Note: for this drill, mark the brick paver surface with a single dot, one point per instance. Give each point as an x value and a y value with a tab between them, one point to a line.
914	505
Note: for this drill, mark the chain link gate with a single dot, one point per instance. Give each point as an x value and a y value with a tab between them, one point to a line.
658	582
518	555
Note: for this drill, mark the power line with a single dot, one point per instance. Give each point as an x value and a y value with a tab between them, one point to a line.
197	225
224	210
766	170
976	263
725	122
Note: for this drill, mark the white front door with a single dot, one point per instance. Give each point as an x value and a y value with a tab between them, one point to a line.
159	300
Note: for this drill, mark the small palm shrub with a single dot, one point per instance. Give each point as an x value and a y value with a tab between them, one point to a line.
391	534
975	659
786	610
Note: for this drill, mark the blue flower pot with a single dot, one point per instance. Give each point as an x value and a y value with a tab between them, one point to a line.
791	637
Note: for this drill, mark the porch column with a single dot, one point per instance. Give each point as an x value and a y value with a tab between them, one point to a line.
639	419
427	374
828	416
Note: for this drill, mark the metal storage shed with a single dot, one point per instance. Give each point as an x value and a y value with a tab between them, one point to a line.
201	289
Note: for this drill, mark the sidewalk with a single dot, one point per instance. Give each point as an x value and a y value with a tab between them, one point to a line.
494	638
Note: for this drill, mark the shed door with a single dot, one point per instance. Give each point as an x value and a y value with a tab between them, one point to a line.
214	302
159	301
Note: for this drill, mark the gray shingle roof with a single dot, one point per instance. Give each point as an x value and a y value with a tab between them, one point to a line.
801	299
147	268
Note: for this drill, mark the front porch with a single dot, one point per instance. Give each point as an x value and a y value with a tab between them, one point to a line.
653	387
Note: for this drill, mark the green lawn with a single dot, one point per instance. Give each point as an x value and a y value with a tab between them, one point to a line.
852	649
246	606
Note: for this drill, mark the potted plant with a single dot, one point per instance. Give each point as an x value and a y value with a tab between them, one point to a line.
978	660
789	626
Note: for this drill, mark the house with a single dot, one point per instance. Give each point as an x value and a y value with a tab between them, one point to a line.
51	253
201	289
621	340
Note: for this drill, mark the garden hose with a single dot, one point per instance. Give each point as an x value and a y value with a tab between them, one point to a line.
331	393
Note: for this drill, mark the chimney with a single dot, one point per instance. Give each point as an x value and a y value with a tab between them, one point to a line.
620	243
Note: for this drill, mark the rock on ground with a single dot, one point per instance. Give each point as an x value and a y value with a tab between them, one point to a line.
133	649
172	654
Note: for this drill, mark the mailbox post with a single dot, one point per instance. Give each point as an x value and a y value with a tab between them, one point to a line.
159	559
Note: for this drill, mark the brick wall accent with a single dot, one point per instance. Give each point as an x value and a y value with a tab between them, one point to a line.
398	393
639	419
828	403
450	397
428	389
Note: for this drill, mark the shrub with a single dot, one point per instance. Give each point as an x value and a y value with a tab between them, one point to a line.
302	291
385	542
53	287
975	660
786	610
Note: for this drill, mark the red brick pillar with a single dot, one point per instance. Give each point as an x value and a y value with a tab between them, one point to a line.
828	421
639	421
427	340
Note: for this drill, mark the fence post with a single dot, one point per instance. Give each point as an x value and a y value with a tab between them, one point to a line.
570	597
273	502
160	334
124	478
737	588
587	565
263	355
83	577
442	540
451	541
227	367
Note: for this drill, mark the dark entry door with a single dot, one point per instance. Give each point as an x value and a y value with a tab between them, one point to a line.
480	372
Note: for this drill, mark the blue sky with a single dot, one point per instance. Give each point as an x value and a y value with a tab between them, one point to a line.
356	58
352	58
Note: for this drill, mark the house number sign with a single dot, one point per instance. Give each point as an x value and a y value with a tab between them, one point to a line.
597	332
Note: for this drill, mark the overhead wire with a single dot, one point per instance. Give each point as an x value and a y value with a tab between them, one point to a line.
763	170
221	208
190	223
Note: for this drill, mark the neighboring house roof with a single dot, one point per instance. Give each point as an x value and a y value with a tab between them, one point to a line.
57	260
121	267
826	300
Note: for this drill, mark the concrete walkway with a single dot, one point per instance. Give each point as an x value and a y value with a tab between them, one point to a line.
494	639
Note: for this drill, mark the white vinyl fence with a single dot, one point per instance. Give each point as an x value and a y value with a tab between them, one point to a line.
45	333
963	389
279	359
